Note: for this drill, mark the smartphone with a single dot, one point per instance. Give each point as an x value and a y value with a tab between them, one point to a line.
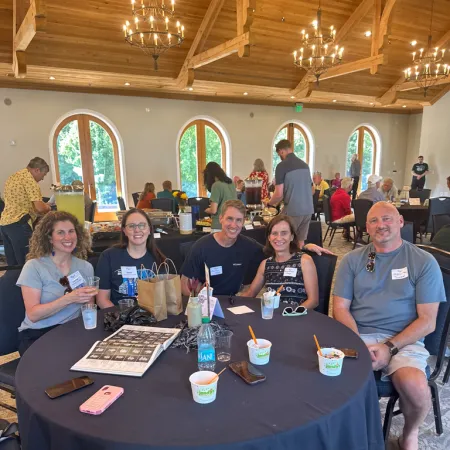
349	352
101	400
249	373
68	386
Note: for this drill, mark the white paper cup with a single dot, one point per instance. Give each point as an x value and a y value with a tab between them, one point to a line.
259	355
276	299
330	367
202	392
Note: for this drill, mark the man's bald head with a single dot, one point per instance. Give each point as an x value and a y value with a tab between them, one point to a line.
384	223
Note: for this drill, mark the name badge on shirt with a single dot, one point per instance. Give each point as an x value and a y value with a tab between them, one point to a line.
215	270
290	272
399	274
129	272
157	235
76	280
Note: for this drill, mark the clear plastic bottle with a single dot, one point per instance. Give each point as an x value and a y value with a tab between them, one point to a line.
206	342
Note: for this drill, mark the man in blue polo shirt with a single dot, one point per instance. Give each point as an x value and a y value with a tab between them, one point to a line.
389	292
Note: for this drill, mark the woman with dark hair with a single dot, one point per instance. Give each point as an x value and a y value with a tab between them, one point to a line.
222	189
146	197
137	249
287	266
259	171
52	279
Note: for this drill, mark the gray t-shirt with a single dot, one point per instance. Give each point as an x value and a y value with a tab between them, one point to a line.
295	175
355	168
43	274
384	301
372	194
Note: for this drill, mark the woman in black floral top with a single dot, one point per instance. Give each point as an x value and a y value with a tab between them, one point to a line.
287	266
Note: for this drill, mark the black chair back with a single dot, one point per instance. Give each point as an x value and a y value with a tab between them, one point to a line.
202	202
165	204
407	232
438	205
361	207
2	206
423	194
12	312
121	202
92	212
314	233
325	265
440	220
135	196
327	209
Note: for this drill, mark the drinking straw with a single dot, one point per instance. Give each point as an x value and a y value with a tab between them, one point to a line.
217	376
209	304
318	346
253	334
279	289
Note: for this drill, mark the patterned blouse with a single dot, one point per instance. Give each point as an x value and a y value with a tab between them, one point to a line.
288	274
265	184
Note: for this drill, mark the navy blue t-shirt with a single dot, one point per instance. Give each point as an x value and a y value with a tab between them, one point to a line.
227	265
110	273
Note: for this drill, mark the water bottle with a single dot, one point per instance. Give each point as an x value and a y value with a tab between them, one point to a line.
206	342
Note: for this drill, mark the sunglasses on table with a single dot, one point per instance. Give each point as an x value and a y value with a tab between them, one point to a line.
64	281
289	311
370	266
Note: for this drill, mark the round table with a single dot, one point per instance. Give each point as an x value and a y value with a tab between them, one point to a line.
296	407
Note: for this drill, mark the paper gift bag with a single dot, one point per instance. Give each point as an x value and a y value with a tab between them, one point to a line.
172	284
152	297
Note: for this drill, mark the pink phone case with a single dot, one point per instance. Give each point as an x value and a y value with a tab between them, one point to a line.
101	400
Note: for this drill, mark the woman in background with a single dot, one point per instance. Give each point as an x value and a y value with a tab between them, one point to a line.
259	171
146	197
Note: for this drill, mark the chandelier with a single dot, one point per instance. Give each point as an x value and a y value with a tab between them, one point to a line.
318	52
428	64
153	28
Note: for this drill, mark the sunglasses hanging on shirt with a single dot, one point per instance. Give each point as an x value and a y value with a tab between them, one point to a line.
370	266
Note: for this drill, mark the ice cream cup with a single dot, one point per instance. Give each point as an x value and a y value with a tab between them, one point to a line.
331	367
202	392
259	354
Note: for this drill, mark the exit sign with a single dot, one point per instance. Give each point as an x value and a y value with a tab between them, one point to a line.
298	107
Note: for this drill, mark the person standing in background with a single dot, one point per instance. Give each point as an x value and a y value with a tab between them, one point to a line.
23	204
146	197
355	173
419	170
259	171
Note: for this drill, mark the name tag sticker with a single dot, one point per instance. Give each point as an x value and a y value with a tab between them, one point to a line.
76	280
215	271
290	272
249	227
399	274
157	235
129	272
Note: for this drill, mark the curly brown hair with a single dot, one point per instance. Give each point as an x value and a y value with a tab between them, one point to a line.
40	244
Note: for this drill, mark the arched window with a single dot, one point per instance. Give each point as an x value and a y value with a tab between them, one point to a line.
200	142
297	136
363	143
86	149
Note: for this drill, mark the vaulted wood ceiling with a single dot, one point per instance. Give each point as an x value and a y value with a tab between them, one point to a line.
82	47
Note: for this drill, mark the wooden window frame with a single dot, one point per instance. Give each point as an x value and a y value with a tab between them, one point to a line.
290	137
84	137
201	150
360	130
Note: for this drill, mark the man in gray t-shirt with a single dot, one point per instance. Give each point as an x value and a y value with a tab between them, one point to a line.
389	292
293	186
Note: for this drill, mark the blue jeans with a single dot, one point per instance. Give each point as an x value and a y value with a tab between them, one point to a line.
16	237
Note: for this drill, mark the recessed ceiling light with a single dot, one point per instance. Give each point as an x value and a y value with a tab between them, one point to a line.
371	103
404	106
245	93
368	33
191	88
413	43
334	101
51	78
127	84
292	96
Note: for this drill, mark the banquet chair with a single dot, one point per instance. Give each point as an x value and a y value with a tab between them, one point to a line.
121	202
332	225
135	196
440	220
9	440
438	205
202	202
165	204
435	343
12	313
325	266
361	208
317	209
424	194
314	233
407	232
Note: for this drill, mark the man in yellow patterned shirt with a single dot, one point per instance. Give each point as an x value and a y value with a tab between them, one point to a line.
23	203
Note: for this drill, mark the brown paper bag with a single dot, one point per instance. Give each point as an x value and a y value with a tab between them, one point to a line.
152	297
172	284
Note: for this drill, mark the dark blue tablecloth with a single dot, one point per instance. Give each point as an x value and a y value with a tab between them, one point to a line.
296	408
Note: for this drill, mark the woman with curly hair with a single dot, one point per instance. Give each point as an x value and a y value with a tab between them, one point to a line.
222	189
52	278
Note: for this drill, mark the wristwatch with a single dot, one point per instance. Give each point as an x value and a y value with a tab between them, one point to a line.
393	350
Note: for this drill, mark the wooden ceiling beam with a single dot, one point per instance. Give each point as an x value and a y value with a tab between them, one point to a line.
443	40
375	34
244	19
360	12
441	94
385	23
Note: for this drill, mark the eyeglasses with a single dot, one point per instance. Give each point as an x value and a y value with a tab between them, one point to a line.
291	312
64	281
132	226
370	266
